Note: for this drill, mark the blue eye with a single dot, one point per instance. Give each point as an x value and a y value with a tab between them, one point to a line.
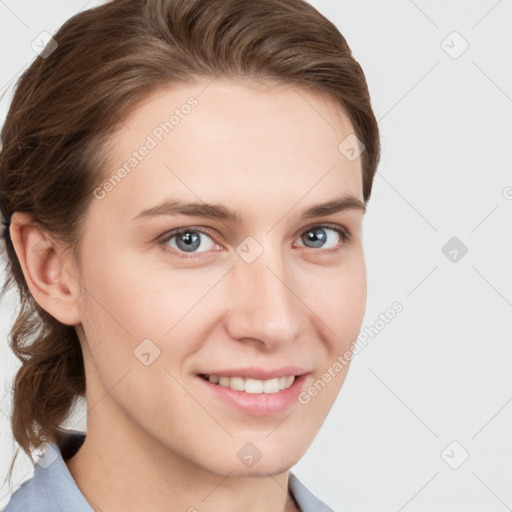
325	237
189	240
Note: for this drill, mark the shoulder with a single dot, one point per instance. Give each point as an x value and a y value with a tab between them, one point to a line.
51	487
306	500
35	494
27	498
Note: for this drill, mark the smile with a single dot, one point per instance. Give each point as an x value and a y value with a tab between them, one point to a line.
251	385
253	399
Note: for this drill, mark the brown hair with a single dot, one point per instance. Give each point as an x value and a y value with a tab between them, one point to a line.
67	103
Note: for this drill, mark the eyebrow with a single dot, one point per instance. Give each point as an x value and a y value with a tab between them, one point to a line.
216	211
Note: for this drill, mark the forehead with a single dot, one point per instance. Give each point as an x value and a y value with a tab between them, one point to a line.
226	140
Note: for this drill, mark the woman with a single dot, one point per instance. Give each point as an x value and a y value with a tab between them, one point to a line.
183	185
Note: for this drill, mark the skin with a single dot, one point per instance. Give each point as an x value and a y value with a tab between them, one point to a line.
154	442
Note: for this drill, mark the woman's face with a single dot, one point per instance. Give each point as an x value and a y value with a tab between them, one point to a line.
272	288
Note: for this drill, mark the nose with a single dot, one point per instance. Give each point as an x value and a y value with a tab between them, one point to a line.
263	302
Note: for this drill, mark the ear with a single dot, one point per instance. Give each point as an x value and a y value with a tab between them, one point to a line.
50	276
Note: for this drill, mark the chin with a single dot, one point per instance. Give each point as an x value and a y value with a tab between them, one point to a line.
266	466
261	470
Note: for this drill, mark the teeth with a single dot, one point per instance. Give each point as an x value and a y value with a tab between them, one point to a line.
253	385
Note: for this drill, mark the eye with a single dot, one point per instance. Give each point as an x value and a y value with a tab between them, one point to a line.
191	240
188	240
326	237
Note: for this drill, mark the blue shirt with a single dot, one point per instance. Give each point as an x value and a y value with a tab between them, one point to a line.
53	489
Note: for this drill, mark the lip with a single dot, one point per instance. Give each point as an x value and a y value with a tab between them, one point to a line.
256	404
258	373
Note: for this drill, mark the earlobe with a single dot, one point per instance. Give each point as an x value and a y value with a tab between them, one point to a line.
48	278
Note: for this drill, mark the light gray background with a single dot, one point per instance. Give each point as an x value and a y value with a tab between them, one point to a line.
440	371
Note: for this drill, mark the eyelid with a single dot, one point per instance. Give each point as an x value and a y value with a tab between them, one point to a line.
173	232
330	225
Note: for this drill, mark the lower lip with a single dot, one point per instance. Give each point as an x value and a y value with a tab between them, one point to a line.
257	404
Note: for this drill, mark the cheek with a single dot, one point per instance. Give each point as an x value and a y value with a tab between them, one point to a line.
338	301
141	297
133	297
338	297
129	303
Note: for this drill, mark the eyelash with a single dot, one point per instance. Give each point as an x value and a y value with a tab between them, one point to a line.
345	235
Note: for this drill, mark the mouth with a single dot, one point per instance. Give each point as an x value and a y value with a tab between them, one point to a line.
248	385
253	396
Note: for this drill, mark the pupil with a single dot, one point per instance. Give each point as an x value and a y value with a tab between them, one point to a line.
191	241
317	236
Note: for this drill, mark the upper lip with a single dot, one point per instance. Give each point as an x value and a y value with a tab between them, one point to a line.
258	373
